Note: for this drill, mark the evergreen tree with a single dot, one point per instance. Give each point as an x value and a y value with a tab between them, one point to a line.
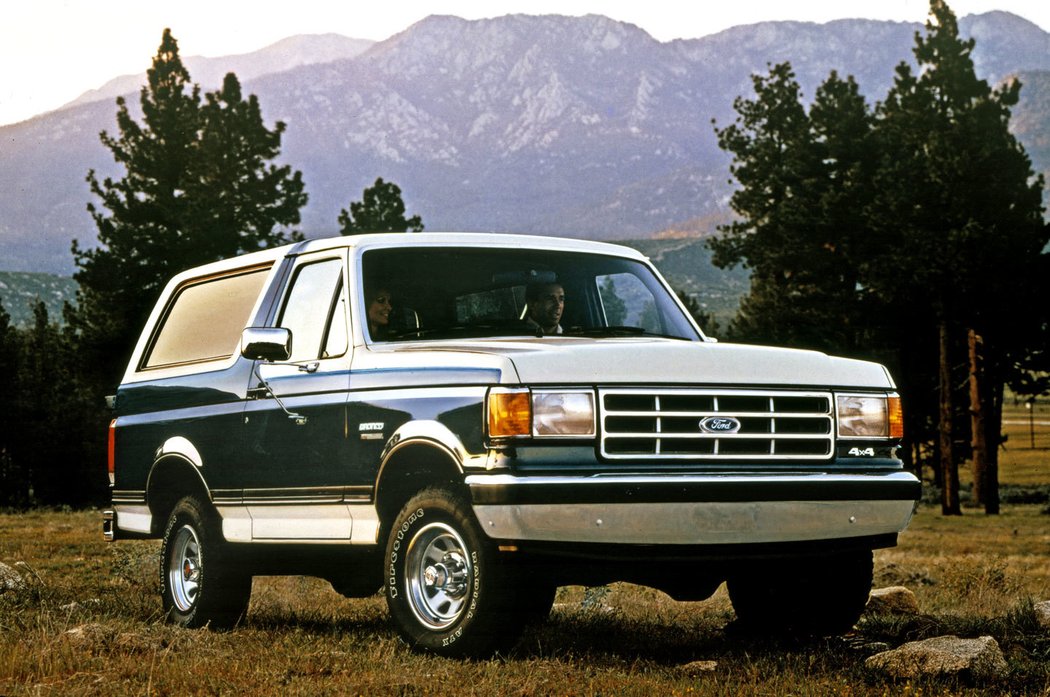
54	455
803	184
14	484
615	307
705	319
197	187
240	198
913	235
380	210
958	221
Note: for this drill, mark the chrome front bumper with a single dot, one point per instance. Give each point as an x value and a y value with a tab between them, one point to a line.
693	510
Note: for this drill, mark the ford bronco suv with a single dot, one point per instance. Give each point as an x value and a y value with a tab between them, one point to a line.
385	412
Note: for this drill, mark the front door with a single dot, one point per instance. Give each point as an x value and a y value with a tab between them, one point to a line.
295	450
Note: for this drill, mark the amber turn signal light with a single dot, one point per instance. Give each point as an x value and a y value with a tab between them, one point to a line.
896	417
510	413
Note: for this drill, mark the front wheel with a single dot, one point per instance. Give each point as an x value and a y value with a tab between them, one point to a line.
199	587
446	589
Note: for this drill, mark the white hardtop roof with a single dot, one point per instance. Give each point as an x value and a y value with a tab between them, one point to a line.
466	239
411	239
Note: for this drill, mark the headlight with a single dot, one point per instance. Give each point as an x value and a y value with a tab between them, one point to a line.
869	416
518	413
563	413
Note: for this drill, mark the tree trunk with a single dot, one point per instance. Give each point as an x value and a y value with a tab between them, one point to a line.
993	438
978	407
950	475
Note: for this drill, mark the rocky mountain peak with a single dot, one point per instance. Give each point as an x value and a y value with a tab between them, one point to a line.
581	126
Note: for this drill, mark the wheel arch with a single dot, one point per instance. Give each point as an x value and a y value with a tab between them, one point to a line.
172	477
413	460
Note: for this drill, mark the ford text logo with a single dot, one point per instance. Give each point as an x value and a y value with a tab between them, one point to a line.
719	424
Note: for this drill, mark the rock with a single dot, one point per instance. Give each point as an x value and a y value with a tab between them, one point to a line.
139	642
89	634
699	667
1042	614
894	600
10	580
946	656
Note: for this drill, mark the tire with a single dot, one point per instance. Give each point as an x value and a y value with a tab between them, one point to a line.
811	597
199	585
447	591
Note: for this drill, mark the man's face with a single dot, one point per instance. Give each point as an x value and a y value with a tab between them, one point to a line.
546	309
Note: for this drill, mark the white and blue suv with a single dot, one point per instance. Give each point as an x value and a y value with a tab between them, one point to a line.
468	421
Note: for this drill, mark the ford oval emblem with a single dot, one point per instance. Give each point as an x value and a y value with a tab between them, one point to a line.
719	424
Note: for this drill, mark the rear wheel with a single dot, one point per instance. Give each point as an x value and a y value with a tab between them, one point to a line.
816	597
447	591
199	586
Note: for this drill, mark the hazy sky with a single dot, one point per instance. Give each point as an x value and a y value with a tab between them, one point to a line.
51	51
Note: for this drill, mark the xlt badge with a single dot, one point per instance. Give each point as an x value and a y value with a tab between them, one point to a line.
371	430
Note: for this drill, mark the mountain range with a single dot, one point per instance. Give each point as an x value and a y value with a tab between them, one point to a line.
580	126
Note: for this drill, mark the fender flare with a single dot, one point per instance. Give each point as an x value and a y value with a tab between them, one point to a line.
445	459
424	432
176	460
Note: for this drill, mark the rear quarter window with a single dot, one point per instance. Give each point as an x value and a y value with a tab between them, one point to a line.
204	319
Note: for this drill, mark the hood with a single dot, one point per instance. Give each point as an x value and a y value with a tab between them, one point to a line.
570	360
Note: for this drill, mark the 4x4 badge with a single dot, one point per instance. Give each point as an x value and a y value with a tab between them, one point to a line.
719	424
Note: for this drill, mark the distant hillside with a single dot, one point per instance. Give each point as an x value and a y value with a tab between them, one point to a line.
686	264
20	291
578	126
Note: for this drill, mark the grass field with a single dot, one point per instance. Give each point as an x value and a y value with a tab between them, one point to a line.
1025	456
89	623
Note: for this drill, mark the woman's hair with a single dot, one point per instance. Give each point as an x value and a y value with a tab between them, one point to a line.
371	291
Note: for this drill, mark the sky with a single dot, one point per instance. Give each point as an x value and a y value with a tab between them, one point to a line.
52	51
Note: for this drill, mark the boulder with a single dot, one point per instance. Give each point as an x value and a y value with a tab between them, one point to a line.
90	634
894	600
10	580
697	668
1042	614
945	656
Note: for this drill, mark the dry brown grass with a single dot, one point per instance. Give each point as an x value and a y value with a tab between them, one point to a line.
88	624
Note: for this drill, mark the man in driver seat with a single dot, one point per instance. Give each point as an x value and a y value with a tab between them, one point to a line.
546	303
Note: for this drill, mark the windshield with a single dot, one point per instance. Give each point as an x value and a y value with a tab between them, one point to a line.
440	292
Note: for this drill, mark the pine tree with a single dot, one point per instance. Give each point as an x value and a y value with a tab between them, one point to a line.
898	235
380	210
958	221
803	183
197	187
14	484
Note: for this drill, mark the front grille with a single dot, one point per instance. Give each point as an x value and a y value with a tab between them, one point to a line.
737	424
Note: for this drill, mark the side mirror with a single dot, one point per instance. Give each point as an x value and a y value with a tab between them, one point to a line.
266	343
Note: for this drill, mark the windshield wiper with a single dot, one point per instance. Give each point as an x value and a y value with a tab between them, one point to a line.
614	330
473	330
618	331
